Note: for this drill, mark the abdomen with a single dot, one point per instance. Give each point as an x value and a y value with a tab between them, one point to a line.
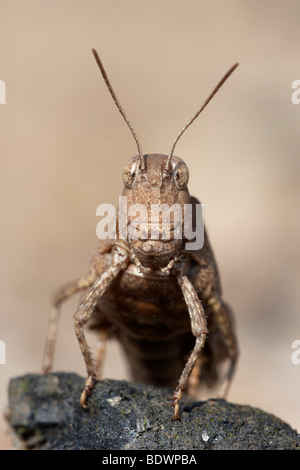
150	319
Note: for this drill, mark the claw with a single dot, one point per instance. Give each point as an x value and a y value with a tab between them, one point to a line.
176	416
88	388
176	398
46	370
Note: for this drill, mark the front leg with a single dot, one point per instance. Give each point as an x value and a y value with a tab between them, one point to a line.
199	330
85	311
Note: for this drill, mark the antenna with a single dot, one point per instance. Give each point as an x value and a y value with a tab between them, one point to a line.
114	97
168	163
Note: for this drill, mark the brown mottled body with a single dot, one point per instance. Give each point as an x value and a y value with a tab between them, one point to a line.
148	315
159	297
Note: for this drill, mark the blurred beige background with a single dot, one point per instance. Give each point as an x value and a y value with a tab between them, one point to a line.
64	144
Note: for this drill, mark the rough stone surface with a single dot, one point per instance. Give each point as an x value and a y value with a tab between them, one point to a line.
44	413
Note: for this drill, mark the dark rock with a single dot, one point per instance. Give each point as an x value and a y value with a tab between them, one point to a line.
44	413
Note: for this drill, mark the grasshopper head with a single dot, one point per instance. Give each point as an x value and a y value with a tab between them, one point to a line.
155	199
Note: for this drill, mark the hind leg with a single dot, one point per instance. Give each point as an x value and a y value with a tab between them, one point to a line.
101	349
194	380
64	293
222	316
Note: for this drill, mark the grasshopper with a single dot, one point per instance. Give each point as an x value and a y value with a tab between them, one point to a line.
162	301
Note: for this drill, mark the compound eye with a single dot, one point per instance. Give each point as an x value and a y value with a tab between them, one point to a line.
129	174
181	175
